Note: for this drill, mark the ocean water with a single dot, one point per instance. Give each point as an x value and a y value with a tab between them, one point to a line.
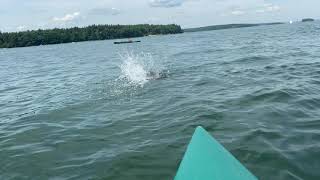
94	110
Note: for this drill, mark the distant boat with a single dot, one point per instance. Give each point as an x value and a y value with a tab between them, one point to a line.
125	42
307	20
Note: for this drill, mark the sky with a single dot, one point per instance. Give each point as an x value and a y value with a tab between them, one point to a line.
20	15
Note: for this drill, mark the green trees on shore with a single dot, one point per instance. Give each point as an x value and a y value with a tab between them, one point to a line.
94	32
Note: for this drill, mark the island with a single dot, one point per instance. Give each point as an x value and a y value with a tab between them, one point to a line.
227	26
89	33
307	20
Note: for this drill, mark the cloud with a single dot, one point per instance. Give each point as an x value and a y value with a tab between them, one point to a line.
238	12
153	20
67	17
104	11
166	3
235	10
268	8
21	28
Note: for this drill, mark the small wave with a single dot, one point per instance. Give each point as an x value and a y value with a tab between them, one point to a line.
252	59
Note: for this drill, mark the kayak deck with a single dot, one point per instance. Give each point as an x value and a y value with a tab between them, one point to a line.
207	159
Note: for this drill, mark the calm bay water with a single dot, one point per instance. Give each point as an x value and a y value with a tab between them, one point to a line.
95	110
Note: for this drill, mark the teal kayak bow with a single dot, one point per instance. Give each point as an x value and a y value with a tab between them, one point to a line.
207	159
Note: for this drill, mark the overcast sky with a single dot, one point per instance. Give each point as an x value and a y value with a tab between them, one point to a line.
17	15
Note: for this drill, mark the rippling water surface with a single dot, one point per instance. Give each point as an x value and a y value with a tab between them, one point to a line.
95	110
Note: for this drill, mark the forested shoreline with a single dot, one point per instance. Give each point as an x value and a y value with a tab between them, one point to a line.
89	33
227	26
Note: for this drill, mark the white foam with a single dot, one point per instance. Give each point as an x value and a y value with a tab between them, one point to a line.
136	68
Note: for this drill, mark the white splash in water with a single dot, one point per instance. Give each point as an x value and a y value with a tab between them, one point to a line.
138	69
133	70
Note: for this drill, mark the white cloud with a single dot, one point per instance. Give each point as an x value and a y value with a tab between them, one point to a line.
104	11
67	17
166	3
268	8
153	20
250	9
21	28
238	12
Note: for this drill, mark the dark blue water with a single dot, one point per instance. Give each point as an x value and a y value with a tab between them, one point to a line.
95	110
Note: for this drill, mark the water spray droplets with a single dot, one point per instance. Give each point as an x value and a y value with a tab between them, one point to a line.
138	69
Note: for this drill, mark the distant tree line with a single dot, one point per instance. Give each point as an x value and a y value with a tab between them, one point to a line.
76	34
227	26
